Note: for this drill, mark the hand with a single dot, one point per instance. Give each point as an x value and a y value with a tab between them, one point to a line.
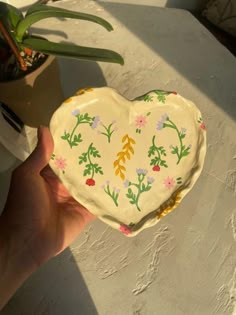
40	218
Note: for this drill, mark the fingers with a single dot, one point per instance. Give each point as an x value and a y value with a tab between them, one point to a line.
47	172
43	151
85	213
88	216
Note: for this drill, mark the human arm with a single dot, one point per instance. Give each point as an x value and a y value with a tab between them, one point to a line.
39	221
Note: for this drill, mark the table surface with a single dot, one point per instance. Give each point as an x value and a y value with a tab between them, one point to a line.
187	263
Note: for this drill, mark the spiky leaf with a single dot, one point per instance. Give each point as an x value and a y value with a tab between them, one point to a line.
40	12
10	15
72	51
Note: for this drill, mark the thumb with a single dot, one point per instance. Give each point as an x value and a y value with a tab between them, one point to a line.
41	155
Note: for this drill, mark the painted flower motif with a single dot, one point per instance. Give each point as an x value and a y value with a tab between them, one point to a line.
82	91
183	130
160	123
150	180
169	182
112	193
203	126
164	117
141	171
75	112
90	182
68	100
156	168
140	121
95	122
125	229
60	163
175	93
176	200
126	183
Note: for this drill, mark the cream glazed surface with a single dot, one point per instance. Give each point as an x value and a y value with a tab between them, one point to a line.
130	162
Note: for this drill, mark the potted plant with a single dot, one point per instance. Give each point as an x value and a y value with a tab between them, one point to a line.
27	62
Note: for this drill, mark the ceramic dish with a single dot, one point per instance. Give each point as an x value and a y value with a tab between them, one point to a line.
128	162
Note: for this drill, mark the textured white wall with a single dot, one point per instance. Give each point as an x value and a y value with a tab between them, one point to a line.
186	264
182	4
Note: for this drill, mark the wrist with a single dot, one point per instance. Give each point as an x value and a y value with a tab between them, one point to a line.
15	267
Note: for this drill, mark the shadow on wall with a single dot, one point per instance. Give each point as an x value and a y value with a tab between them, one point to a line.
56	288
77	74
168	40
42	94
42	32
192	5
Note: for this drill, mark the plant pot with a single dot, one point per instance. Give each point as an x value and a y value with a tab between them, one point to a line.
35	97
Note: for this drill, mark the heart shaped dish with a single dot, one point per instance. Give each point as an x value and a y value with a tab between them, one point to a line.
128	162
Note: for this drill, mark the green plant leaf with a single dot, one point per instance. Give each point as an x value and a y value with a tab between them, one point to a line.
83	158
86	172
95	152
162	163
98	169
89	166
151	151
40	12
148	98
86	116
175	150
77	138
10	15
72	51
65	136
155	161
185	153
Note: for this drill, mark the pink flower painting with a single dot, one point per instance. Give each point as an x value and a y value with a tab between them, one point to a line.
169	182
60	163
90	182
203	126
141	121
125	229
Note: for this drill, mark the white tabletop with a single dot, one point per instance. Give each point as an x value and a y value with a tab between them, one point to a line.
186	263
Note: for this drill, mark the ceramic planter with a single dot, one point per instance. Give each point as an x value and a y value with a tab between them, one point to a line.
34	97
